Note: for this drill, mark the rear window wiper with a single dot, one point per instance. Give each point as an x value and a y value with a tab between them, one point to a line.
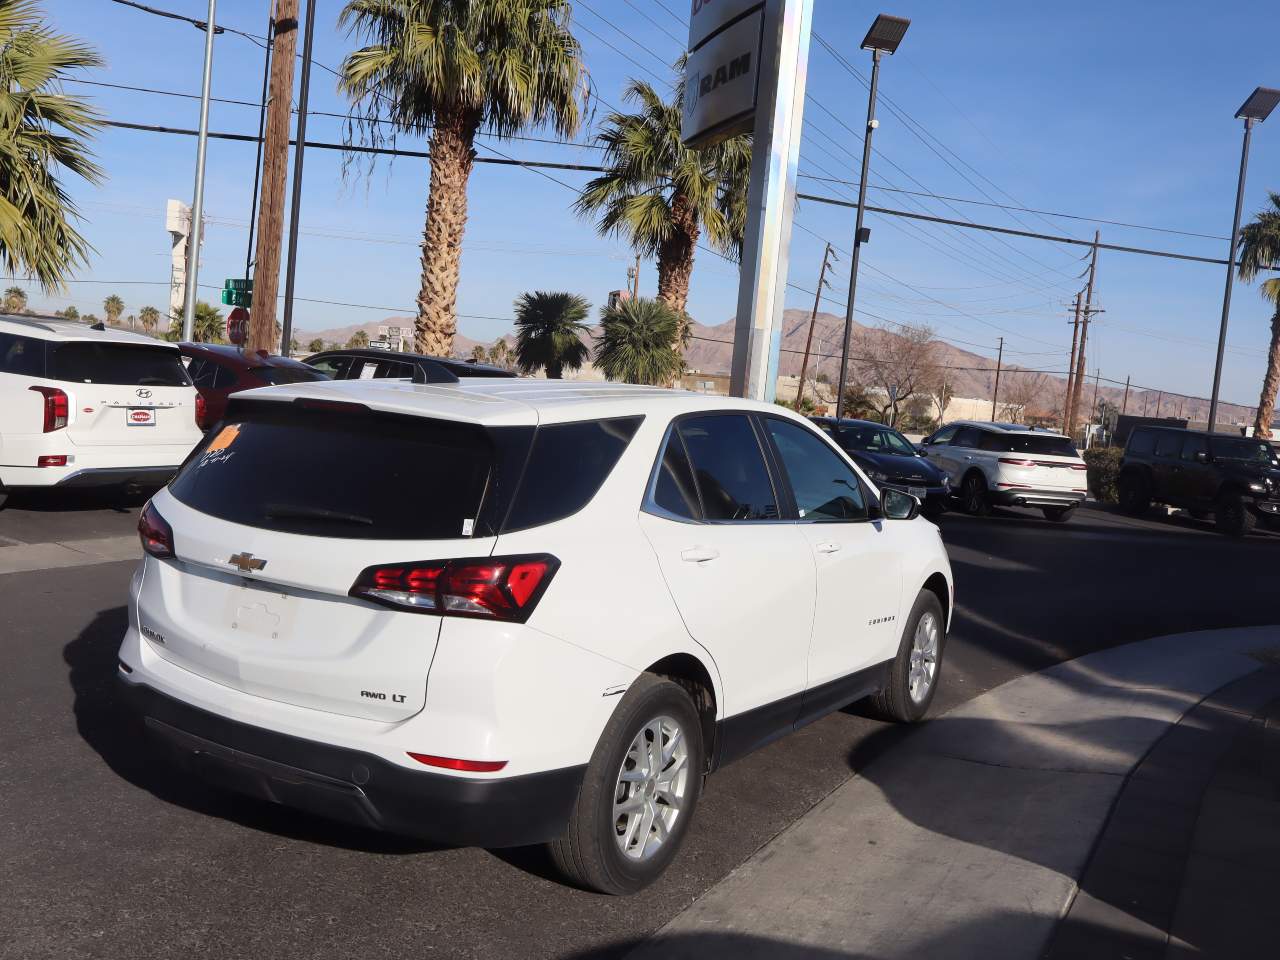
278	511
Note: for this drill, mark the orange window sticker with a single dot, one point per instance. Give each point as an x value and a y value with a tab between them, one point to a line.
224	439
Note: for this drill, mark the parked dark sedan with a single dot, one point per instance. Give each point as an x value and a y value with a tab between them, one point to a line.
369	363
890	460
219	370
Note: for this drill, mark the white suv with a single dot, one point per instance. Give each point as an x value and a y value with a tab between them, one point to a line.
86	406
1010	465
502	612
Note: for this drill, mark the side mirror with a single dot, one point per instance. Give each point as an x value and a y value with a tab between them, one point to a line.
896	505
1202	456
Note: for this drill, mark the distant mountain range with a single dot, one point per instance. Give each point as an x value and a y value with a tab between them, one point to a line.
970	374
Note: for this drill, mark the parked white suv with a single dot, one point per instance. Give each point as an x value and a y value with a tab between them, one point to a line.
502	612
87	406
1010	465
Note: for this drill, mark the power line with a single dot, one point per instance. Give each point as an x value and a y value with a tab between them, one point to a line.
640	11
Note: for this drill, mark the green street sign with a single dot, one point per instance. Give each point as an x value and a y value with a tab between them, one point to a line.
238	284
237	298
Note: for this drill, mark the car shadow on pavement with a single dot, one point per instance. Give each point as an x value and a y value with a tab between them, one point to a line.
106	724
64	500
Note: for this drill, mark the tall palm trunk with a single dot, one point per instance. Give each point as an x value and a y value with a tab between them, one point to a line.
452	157
1267	402
675	255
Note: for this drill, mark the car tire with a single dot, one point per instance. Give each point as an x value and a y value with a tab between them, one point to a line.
4	495
1199	514
1134	492
974	497
915	671
603	849
1058	514
1233	516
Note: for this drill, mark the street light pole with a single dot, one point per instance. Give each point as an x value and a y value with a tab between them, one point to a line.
195	234
1254	110
885	35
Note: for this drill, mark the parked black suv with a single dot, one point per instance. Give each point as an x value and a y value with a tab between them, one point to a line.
1237	479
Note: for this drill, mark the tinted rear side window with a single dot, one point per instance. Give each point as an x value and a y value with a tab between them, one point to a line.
122	364
1168	444
278	375
1029	443
21	355
567	465
333	474
1142	443
732	478
675	490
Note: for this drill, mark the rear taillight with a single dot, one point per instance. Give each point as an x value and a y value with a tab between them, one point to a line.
202	409
1014	462
155	532
56	408
52	460
449	763
492	588
1079	466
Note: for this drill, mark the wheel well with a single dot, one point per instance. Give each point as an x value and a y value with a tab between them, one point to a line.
938	584
688	671
974	471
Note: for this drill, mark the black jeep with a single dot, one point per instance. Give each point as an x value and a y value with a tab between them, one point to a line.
1237	479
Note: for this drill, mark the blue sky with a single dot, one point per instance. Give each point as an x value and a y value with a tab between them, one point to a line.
1117	111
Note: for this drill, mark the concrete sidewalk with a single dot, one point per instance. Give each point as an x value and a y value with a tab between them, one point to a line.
970	837
21	557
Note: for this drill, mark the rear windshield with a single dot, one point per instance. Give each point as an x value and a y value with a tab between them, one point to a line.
279	375
1035	444
122	364
328	473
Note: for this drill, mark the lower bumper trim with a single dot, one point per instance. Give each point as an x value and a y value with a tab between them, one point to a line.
120	476
1020	497
356	787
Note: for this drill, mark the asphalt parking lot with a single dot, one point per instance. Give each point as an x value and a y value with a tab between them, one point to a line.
111	853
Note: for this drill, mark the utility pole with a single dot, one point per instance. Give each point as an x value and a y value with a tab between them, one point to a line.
262	124
295	203
275	167
197	207
1071	367
1084	337
827	256
635	292
1097	378
1159	400
995	394
1125	404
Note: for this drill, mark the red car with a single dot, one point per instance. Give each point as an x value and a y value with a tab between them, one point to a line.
219	370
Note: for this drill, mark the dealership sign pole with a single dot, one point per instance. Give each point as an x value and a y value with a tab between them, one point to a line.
746	72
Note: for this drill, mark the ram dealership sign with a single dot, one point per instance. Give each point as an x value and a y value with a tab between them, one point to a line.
723	70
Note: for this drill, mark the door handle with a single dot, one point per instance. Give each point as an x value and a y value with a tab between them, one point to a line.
699	554
828	546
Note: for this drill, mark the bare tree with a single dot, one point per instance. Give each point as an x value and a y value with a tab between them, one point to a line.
900	364
939	386
1024	393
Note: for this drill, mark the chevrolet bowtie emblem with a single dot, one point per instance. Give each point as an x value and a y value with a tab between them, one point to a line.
246	562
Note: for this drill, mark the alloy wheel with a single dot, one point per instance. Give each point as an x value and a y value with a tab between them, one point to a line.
924	658
652	788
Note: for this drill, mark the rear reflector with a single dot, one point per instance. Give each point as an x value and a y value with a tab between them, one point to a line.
155	533
492	588
52	460
56	408
470	766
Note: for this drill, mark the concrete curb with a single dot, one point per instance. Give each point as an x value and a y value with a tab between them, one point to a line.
967	838
67	553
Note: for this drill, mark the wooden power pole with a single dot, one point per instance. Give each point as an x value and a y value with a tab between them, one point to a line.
275	168
827	255
995	394
1078	386
1071	367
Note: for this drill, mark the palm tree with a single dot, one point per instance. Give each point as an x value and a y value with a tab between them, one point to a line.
1260	250
499	354
15	300
450	70
661	196
132	320
479	354
150	318
639	342
43	133
316	345
113	306
358	339
71	313
548	332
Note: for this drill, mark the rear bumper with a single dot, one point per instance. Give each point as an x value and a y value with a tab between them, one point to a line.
357	787
1027	497
120	476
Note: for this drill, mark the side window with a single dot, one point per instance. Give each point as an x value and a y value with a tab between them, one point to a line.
1142	443
1194	443
393	369
548	491
21	355
729	466
825	487
333	367
674	489
1168	444
195	370
967	437
223	379
943	436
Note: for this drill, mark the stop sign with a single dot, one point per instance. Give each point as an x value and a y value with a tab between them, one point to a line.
238	325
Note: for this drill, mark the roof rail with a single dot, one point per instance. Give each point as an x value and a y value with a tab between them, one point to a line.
431	371
27	322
